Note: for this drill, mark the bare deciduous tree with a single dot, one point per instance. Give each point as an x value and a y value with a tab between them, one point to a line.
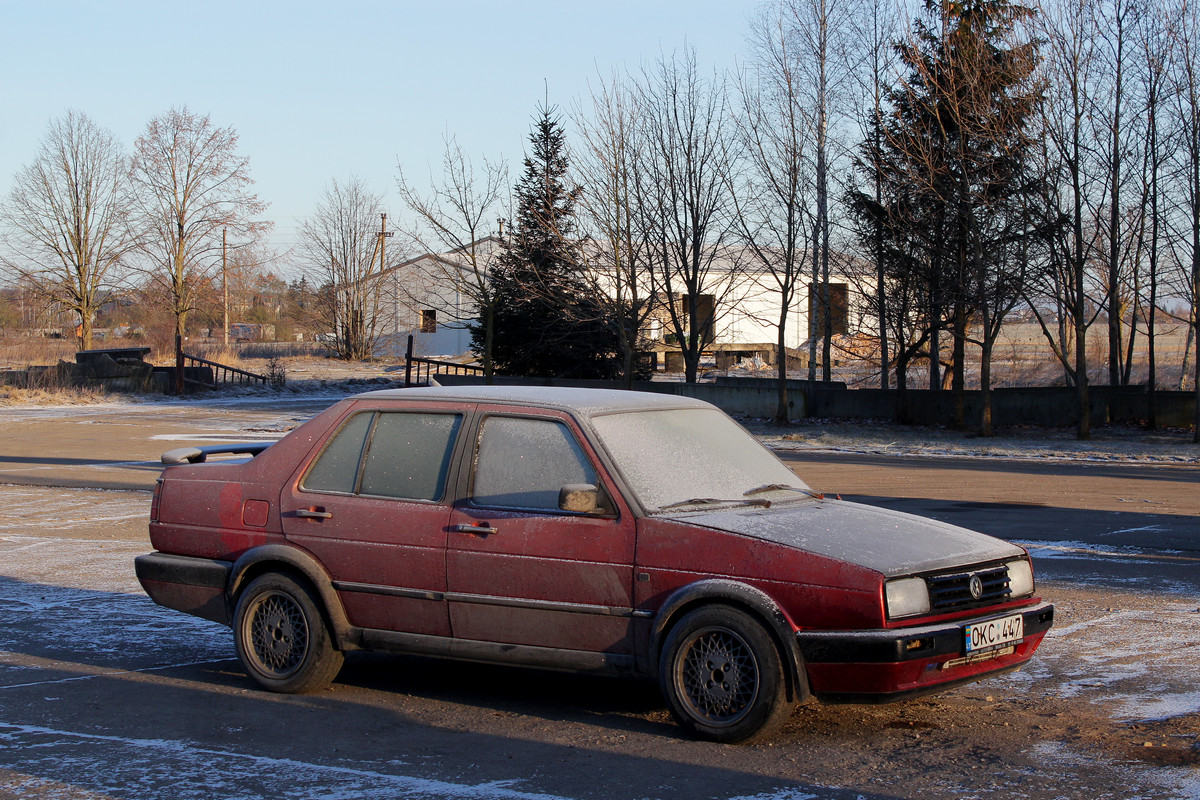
875	29
825	33
614	256
1069	33
191	183
684	213
343	248
772	202
1186	77
451	225
1115	148
67	218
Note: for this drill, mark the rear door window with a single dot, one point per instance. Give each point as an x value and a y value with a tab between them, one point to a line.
388	454
409	455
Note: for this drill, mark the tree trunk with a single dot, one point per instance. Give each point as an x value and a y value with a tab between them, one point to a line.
489	332
1187	350
85	331
1079	310
958	366
1195	166
1151	358
935	360
1084	428
628	358
985	386
1114	220
781	392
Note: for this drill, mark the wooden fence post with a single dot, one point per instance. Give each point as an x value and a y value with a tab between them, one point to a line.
408	358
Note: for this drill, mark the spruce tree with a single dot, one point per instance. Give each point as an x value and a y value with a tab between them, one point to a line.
952	164
546	323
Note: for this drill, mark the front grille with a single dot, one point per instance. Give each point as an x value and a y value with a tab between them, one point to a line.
951	592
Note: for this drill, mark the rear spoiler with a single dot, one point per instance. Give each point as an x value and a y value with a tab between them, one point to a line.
198	455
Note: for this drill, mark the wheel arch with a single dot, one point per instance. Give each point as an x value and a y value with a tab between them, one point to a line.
302	566
755	602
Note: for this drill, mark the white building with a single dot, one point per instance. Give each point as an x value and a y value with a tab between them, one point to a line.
432	298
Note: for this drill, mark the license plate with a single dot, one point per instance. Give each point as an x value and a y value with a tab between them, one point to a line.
994	633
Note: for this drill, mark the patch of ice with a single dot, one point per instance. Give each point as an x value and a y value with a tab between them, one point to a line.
1144	708
1116	446
213	437
165	769
1067	549
1181	783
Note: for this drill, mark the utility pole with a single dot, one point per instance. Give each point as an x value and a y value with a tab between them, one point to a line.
225	289
384	235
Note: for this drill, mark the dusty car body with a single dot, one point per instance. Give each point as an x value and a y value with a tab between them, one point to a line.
601	531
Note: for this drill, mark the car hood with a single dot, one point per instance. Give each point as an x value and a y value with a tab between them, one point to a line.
890	542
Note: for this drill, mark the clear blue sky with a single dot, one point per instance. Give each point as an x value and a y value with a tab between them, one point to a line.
324	90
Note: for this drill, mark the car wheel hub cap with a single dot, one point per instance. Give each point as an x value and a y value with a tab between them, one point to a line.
719	677
279	634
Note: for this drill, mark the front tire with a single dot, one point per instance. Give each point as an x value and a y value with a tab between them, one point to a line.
281	636
722	676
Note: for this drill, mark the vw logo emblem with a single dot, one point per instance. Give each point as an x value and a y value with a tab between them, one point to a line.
976	587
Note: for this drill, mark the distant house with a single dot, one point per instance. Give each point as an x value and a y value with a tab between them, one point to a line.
429	297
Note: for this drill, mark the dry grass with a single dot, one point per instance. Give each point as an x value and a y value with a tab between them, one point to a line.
56	396
1022	358
20	352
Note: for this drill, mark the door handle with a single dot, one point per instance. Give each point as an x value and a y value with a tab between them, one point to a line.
313	514
479	530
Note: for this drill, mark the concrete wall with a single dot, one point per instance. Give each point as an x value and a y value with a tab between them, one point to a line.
1050	407
742	401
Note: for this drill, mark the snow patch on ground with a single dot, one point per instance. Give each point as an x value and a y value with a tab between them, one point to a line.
182	770
1101	658
871	438
1067	549
53	509
1183	783
1145	708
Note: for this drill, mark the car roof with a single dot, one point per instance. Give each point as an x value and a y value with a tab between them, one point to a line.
582	402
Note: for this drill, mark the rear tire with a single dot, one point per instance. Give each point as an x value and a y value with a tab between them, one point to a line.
722	676
281	636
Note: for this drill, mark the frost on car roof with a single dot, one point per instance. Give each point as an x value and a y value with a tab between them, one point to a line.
585	402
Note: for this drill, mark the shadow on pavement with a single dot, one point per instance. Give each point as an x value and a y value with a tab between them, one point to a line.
105	693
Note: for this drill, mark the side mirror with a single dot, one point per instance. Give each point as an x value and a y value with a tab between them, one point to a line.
580	498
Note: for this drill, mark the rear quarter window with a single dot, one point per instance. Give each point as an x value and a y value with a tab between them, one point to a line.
336	469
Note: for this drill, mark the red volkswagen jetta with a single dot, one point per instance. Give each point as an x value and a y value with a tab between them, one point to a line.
600	531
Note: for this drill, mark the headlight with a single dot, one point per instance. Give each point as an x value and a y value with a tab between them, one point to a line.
1020	577
906	597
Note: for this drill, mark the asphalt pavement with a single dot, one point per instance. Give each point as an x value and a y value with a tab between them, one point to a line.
105	696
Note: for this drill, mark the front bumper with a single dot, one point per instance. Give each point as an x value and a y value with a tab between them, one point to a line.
891	664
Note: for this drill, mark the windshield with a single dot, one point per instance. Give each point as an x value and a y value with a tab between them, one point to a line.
694	457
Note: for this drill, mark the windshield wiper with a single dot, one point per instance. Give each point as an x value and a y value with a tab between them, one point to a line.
712	501
771	487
